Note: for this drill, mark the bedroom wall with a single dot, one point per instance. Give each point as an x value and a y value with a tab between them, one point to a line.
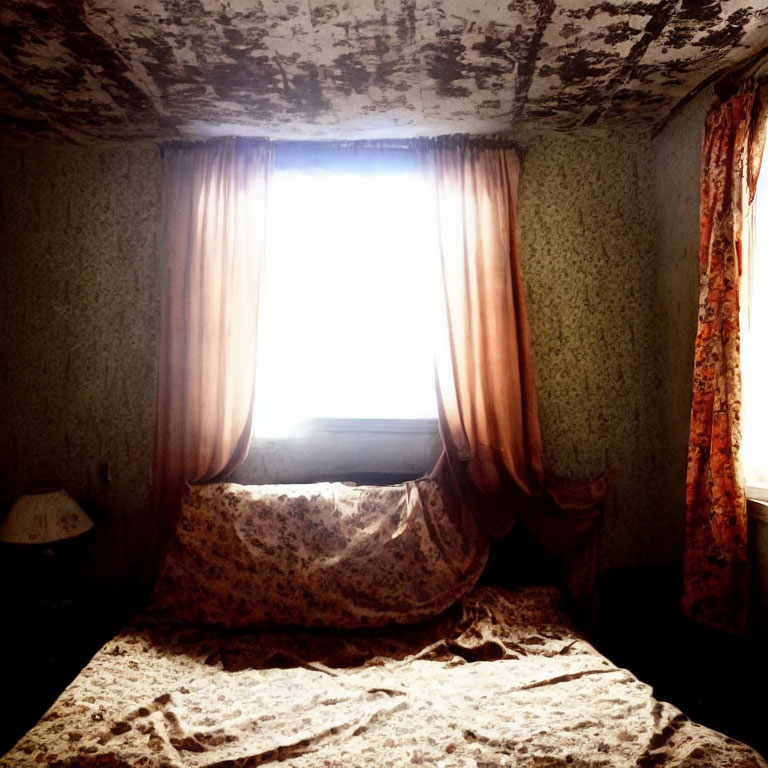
676	154
79	311
586	209
79	302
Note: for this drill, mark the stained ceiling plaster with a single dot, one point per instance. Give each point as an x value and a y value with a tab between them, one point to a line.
104	69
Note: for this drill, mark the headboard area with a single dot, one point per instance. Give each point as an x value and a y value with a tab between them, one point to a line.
320	554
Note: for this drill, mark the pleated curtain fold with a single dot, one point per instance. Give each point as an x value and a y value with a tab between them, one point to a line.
214	228
487	400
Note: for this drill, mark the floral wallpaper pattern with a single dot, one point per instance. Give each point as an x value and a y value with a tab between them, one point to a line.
589	262
676	161
79	311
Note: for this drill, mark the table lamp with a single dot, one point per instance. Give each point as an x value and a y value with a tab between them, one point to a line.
40	517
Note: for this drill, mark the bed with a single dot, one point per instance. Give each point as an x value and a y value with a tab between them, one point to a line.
497	678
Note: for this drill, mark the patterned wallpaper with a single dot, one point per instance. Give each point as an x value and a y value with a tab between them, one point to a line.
79	311
586	209
676	156
79	301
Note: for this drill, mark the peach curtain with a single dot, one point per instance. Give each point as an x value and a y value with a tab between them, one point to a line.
215	203
485	368
716	574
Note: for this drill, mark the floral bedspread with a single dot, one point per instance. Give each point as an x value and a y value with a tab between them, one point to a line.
320	554
500	680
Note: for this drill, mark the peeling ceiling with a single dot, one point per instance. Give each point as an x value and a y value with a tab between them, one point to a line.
312	69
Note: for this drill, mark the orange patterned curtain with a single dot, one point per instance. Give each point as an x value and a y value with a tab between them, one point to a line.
716	571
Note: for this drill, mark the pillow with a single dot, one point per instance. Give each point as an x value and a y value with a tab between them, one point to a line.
324	554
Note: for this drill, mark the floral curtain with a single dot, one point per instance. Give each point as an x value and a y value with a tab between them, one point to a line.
716	571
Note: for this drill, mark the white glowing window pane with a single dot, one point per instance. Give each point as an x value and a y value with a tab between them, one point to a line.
347	309
754	358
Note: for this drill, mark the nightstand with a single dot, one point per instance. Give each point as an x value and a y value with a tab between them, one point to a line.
50	630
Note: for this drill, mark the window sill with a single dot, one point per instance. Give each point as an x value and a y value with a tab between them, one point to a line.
757	504
371	426
358	450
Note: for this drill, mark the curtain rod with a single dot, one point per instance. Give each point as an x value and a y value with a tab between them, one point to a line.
726	82
490	141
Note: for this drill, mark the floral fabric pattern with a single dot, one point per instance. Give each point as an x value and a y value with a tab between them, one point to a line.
319	554
715	568
501	680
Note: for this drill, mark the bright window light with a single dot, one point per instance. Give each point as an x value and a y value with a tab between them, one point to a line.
754	348
350	291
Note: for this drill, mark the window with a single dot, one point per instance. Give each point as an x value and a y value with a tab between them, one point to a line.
754	346
349	296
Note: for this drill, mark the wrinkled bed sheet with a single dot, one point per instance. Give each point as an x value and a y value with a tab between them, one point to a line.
501	680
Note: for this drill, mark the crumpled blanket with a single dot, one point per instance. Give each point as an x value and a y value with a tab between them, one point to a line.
500	680
318	554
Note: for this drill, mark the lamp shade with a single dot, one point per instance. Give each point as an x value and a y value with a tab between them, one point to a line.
44	516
